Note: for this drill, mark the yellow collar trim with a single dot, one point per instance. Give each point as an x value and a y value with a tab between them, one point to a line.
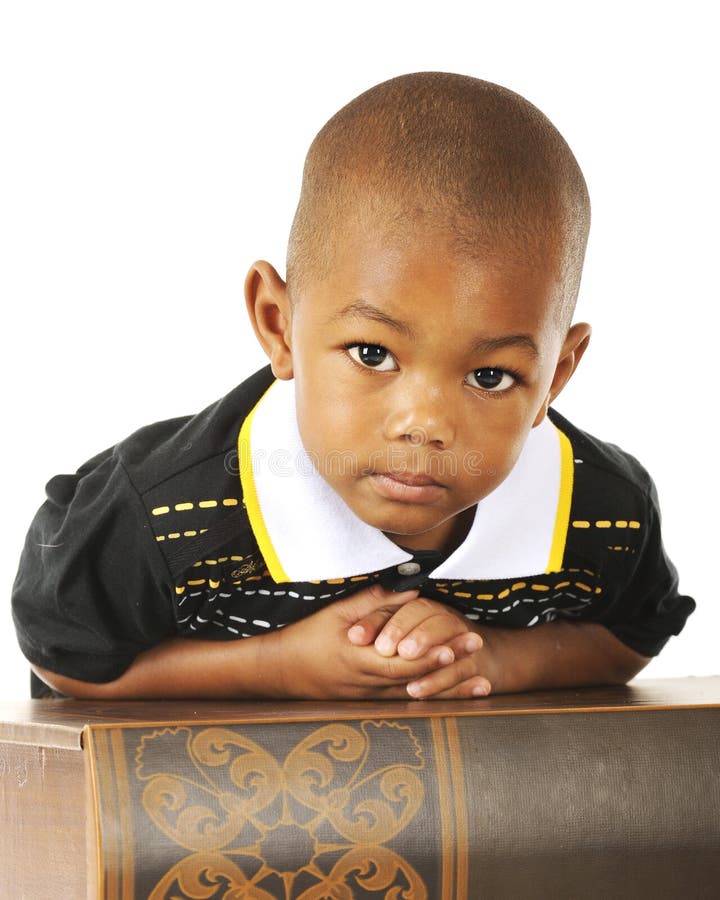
252	503
562	518
306	532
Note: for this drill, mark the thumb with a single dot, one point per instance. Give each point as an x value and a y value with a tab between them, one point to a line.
361	604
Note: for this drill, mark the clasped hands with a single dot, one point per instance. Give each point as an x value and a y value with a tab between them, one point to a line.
381	644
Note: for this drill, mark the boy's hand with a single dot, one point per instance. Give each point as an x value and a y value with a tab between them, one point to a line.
313	658
416	627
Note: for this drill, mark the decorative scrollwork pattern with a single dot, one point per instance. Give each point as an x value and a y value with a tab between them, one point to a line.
311	826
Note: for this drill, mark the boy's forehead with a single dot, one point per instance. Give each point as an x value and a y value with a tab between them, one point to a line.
379	236
400	277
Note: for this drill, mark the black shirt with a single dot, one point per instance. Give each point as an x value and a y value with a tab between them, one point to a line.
150	539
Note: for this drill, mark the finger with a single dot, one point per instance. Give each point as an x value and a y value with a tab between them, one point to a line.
442	627
355	607
465	644
447	679
471	689
407	617
392	670
367	629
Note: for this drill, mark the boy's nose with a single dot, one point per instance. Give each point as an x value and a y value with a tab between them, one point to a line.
422	417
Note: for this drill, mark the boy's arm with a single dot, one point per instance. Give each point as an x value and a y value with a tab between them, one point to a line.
180	668
310	659
555	654
502	660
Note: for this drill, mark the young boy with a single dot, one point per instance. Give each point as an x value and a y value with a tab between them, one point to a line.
391	509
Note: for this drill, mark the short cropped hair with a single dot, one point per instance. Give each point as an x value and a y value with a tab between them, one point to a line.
471	158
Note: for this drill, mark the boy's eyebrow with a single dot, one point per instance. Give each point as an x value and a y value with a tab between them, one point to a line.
487	345
362	309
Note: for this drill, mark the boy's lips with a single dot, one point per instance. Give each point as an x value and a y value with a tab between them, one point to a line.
407	487
420	479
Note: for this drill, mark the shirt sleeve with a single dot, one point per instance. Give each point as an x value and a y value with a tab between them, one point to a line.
649	608
92	589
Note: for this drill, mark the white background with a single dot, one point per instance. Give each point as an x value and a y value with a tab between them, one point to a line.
151	151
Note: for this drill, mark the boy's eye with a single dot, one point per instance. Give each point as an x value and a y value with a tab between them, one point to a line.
490	379
373	356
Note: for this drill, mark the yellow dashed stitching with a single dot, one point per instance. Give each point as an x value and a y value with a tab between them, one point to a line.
605	523
203	504
520	585
177	534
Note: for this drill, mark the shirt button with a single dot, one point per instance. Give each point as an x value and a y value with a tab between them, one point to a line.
408	568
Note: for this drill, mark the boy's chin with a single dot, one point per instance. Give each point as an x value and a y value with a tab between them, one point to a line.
431	536
401	527
442	533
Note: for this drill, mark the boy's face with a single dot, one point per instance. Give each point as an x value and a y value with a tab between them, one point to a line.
419	373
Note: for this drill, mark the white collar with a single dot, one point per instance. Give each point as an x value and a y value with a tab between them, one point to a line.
306	531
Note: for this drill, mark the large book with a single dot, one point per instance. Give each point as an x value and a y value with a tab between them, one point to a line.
592	793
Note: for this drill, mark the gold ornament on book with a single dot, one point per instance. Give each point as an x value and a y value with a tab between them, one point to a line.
312	825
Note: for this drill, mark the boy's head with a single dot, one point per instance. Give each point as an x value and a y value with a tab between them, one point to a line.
433	267
468	160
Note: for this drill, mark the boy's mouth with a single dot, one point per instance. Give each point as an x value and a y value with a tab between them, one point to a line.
407	487
419	479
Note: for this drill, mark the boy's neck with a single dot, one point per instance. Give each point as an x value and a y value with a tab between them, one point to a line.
446	537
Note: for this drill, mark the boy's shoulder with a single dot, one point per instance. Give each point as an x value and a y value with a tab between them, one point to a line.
614	511
162	451
186	476
605	465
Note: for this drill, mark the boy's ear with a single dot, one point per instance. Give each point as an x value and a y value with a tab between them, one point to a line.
574	346
269	310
